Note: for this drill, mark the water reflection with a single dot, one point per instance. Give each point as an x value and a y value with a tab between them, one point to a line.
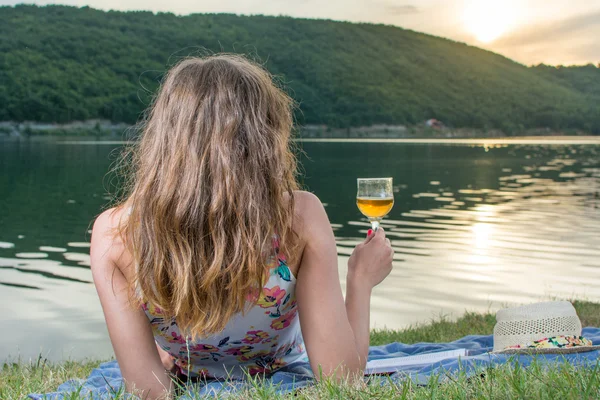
472	229
53	249
19	285
45	274
521	225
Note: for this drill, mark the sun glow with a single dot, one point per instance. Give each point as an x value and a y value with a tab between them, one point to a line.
489	19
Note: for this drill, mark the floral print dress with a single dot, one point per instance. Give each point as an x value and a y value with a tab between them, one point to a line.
266	338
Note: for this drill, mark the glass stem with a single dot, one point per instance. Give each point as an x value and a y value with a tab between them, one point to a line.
375	224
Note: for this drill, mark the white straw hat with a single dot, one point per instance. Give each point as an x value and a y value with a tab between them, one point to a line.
549	327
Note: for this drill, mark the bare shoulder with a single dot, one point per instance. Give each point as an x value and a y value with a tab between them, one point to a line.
107	223
307	204
108	219
107	246
306	201
309	212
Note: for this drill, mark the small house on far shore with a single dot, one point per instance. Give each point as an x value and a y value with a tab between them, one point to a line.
434	123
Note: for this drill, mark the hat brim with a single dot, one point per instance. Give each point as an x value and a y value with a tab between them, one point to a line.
548	350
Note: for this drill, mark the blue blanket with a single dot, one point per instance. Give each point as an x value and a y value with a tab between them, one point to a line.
106	379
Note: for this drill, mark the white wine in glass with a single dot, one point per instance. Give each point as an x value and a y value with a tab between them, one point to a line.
374	198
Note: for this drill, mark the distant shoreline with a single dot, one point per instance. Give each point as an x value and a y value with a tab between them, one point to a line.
480	141
484	142
103	130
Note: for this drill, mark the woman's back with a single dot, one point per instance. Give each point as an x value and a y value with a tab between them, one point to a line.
260	341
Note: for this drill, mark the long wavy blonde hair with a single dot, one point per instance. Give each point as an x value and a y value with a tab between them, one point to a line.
213	181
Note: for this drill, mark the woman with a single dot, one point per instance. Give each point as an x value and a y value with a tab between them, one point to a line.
215	265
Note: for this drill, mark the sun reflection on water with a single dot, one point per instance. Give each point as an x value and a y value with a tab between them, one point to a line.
481	234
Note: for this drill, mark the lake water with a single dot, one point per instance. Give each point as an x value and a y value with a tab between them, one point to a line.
475	227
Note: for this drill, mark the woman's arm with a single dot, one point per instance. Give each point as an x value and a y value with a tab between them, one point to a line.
336	334
370	263
128	326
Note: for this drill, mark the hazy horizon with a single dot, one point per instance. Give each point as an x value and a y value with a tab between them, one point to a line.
554	32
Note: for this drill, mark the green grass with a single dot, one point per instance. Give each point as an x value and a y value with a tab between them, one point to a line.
563	381
19	378
445	330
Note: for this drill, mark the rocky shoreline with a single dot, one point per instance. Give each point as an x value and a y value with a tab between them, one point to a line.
108	129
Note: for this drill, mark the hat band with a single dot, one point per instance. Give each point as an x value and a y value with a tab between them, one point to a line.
555	342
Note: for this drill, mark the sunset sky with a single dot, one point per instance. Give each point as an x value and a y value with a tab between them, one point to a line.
529	31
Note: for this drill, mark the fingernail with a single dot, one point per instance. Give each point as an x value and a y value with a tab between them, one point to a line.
369	232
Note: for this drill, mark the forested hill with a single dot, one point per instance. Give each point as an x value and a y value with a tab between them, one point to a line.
60	63
584	79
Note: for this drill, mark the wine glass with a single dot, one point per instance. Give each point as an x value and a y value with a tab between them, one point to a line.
374	198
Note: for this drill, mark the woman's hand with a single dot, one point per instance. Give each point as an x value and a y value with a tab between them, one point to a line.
371	261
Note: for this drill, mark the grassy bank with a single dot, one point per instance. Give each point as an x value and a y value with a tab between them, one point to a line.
561	381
